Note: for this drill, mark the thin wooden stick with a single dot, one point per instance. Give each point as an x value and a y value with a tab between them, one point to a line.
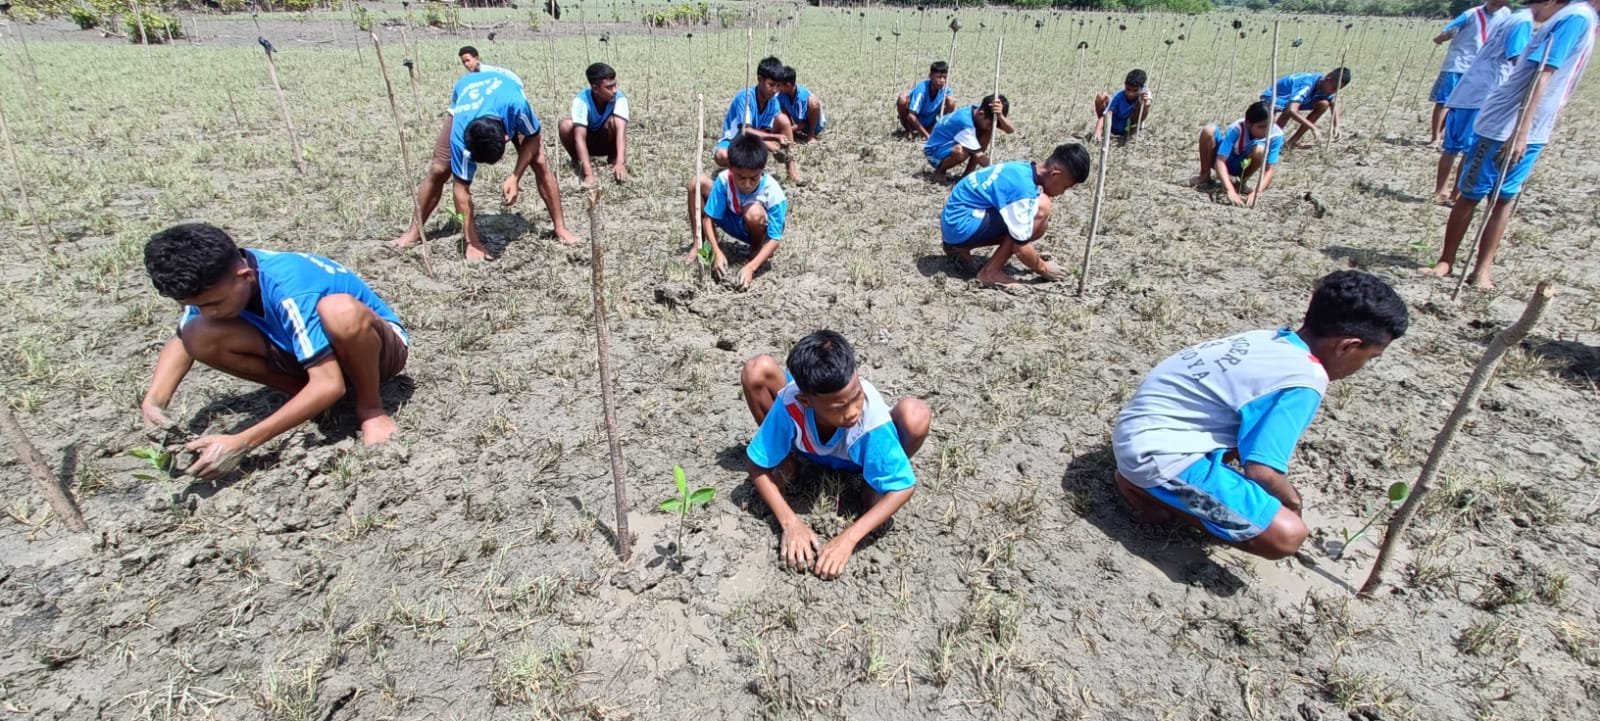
60	502
649	67
22	184
1272	91
608	393
555	95
955	29
583	21
283	105
405	44
1481	375
994	129
405	154
702	252
1383	119
1099	197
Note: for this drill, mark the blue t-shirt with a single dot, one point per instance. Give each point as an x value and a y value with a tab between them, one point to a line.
1299	88
925	104
586	114
743	113
725	199
871	447
1121	109
290	286
1007	189
796	105
490	92
1237	143
956	129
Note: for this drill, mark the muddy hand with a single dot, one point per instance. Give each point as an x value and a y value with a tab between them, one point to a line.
799	547
510	191
833	557
217	455
155	416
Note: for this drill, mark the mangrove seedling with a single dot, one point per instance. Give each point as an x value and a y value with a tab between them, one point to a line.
160	460
684	501
1398	492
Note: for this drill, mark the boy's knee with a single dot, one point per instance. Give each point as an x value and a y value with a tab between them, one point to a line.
755	214
760	371
1283	537
204	338
782	123
959	153
439	169
613	125
912	416
565	127
720	157
342	314
1045	204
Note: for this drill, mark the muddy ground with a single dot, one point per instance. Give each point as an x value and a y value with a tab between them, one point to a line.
467	572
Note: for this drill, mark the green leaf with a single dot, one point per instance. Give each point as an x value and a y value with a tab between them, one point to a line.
144	477
681	479
702	496
672	505
1399	492
148	454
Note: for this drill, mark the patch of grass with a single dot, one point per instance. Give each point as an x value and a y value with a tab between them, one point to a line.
1493	635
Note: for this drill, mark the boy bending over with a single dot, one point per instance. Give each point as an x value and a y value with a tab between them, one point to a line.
964	134
820	410
598	126
745	202
1304	97
1209	433
1238	152
1003	206
299	323
1129	107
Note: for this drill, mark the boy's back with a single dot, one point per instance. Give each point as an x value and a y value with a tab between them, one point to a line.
957	128
1007	190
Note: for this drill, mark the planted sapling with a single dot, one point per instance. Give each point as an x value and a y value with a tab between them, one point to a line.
1398	492
684	501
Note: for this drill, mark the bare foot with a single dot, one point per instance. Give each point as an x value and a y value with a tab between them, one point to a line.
1437	269
998	277
794	173
963	260
407	239
567	237
1442	198
1148	515
1482	283
477	252
589	181
377	429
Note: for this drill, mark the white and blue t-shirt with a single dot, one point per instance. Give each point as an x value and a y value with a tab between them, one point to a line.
926	104
744	113
1299	88
285	310
796	105
586	114
1121	109
1564	42
1256	391
871	447
957	128
1236	142
1468	33
490	92
1507	40
1007	190
725	199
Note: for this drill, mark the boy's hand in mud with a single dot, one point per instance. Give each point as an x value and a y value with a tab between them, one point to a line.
799	547
155	416
833	557
510	190
217	456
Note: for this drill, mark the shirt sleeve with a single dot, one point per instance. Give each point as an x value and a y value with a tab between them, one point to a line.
1517	40
1562	40
717	201
773	441
1301	93
298	314
580	111
1270	426
1457	23
776	215
619	107
884	465
1018	215
730	122
968	138
1274	146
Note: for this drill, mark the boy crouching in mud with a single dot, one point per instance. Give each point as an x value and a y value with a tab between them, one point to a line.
828	415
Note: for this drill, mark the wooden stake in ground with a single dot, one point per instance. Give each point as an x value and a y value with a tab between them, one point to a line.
60	503
405	153
583	21
405	43
1272	86
555	95
1383	119
22	184
955	28
608	394
1481	375
1099	197
1000	46
283	105
702	245
649	67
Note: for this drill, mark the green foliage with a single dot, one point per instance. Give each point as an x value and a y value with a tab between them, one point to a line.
160	461
683	14
361	18
1397	494
1255	5
440	15
684	501
157	28
85	18
534	19
299	6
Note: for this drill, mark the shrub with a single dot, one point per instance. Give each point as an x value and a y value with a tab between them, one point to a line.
85	18
157	28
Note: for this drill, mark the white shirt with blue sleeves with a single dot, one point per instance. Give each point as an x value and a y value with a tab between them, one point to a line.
744	113
1469	31
1237	142
1564	42
871	447
725	199
490	92
586	114
1507	40
925	104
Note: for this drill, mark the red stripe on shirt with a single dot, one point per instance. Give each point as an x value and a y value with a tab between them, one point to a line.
1483	24
799	417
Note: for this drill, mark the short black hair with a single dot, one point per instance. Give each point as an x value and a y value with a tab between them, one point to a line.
188	259
467	50
486	140
1136	78
939	66
747	151
1073	158
822	362
599	72
1343	74
785	74
769	67
983	107
1354	304
1257	112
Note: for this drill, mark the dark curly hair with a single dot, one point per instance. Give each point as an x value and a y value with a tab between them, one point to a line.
1353	304
822	362
188	259
485	139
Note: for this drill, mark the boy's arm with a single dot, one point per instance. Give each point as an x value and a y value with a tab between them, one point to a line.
799	545
1269	429
1004	123
836	552
580	143
171	367
1275	483
549	189
220	454
1293	109
1220	168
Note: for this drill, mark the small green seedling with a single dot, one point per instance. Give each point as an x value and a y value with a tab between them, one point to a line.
685	501
1398	492
160	460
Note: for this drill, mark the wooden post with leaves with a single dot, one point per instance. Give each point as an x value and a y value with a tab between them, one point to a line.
1481	375
60	503
608	394
1099	198
405	154
283	104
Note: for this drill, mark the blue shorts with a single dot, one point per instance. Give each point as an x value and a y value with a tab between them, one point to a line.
1458	135
1230	506
929	122
935	157
722	145
974	230
1480	170
1443	86
733	225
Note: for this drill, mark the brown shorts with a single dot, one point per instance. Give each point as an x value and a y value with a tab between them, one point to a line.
392	354
598	142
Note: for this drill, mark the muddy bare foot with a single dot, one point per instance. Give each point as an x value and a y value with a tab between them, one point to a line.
407	239
1482	283
998	277
377	429
963	260
1437	269
477	252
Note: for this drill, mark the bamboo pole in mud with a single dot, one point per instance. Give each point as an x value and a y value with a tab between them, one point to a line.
1481	375
60	502
283	105
1099	198
555	95
608	394
1383	120
1272	88
405	155
583	22
649	67
702	244
22	184
994	129
955	28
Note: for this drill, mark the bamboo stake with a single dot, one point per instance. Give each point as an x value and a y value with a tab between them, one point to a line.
283	105
1099	197
583	21
60	502
1383	120
994	129
608	394
955	29
22	185
405	44
649	67
555	95
1272	89
702	247
1481	375
139	18
405	153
